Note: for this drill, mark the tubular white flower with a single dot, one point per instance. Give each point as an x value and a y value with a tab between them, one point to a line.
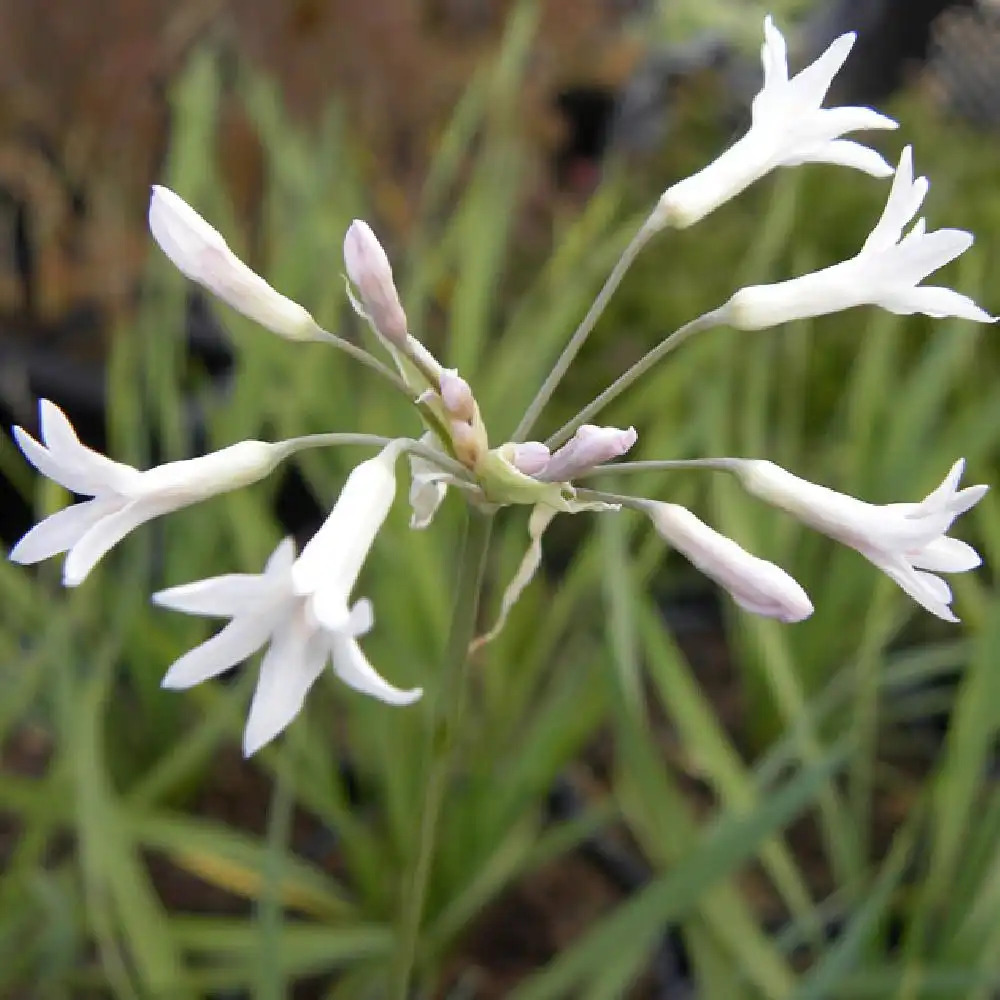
904	540
200	253
788	127
755	585
300	608
123	497
369	269
886	272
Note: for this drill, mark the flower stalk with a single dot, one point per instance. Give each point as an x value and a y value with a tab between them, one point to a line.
442	732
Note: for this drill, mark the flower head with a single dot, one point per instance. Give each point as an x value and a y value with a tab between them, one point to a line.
123	497
300	608
755	585
200	253
907	541
886	272
789	126
369	269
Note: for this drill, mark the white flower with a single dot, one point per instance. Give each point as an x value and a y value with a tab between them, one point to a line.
904	540
200	253
788	127
887	272
300	608
756	585
123	497
589	446
369	268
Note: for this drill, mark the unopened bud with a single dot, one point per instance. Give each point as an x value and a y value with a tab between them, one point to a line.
200	253
589	446
457	396
530	457
369	269
755	585
469	443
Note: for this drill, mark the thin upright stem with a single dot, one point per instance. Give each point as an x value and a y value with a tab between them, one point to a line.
360	354
443	735
582	332
438	458
637	370
667	465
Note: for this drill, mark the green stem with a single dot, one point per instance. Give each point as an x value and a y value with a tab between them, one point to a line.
637	370
667	465
443	736
360	354
576	342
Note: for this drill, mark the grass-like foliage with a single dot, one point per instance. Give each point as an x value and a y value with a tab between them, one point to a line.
871	828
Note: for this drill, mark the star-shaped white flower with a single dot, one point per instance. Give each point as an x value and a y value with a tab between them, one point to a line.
757	586
123	497
887	272
789	126
300	607
907	541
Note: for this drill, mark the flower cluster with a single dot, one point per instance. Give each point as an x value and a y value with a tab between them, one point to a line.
300	606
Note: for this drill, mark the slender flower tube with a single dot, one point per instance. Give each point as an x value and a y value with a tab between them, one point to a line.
886	272
788	127
200	253
907	541
588	447
299	608
123	497
755	585
369	269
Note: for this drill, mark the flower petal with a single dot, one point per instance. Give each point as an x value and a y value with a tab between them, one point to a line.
919	586
774	55
905	198
67	449
67	476
843	153
61	531
217	597
289	669
241	638
811	84
352	667
362	618
946	555
105	534
934	301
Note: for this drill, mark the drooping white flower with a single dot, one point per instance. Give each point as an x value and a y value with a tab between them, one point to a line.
789	126
589	446
123	497
200	253
300	607
907	541
886	272
755	585
369	269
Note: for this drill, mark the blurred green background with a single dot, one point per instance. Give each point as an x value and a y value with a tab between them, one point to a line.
658	796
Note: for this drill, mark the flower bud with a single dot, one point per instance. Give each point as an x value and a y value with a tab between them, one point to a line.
457	396
589	446
200	253
369	269
756	585
530	457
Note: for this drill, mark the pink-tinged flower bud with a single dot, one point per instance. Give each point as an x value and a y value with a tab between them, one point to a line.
457	396
755	585
468	442
589	446
369	269
200	253
531	457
